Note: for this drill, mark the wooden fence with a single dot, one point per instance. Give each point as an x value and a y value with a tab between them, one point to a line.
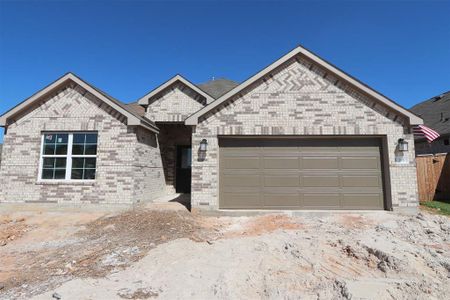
433	177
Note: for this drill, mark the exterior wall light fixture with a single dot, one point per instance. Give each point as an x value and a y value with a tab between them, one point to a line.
402	145
203	145
202	150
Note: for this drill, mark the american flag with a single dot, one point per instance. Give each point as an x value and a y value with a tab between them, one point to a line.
426	132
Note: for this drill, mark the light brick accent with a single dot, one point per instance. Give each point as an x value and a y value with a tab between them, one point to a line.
174	104
300	98
148	169
129	167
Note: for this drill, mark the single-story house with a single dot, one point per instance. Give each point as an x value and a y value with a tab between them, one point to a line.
299	134
435	113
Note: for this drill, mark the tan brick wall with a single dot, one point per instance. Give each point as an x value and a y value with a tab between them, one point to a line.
175	104
128	170
299	98
148	169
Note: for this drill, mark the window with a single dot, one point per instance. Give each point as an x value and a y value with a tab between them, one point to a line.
54	160
68	156
186	158
84	151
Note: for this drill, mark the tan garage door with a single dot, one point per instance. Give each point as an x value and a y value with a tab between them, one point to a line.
300	173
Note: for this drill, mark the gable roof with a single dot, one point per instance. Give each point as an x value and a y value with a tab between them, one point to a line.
133	118
435	112
218	87
413	119
145	100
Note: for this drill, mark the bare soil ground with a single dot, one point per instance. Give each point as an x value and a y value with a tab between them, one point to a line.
166	252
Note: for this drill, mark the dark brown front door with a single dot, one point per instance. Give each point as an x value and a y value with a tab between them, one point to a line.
183	169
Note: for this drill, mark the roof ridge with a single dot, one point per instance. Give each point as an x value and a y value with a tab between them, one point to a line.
218	78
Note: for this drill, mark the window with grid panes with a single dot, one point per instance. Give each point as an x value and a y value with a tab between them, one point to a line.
69	156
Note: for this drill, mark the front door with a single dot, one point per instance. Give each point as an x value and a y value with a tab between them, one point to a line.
183	169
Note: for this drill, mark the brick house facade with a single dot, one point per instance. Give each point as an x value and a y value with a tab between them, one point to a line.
152	147
123	174
286	101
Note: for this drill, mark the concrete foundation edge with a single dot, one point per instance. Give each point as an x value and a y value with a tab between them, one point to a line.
214	211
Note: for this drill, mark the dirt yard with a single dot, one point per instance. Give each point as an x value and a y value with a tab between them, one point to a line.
165	252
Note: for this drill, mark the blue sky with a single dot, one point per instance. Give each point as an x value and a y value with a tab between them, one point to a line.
127	48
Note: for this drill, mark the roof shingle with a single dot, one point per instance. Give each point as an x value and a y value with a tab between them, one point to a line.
136	108
435	113
218	87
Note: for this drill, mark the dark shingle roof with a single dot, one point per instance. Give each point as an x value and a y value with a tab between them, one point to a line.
138	109
218	87
435	113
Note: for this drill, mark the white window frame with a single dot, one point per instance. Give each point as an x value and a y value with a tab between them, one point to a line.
68	156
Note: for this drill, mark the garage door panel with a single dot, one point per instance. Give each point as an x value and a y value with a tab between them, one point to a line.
267	151
301	174
320	181
281	181
241	172
241	200
241	180
362	200
280	190
358	190
281	163
241	163
244	190
361	150
321	200
315	163
281	200
361	181
239	150
318	149
361	163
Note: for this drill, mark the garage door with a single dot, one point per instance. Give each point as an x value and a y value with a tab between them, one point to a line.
300	173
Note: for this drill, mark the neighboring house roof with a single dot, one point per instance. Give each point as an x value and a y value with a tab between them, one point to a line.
218	87
413	119
145	100
435	113
132	115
